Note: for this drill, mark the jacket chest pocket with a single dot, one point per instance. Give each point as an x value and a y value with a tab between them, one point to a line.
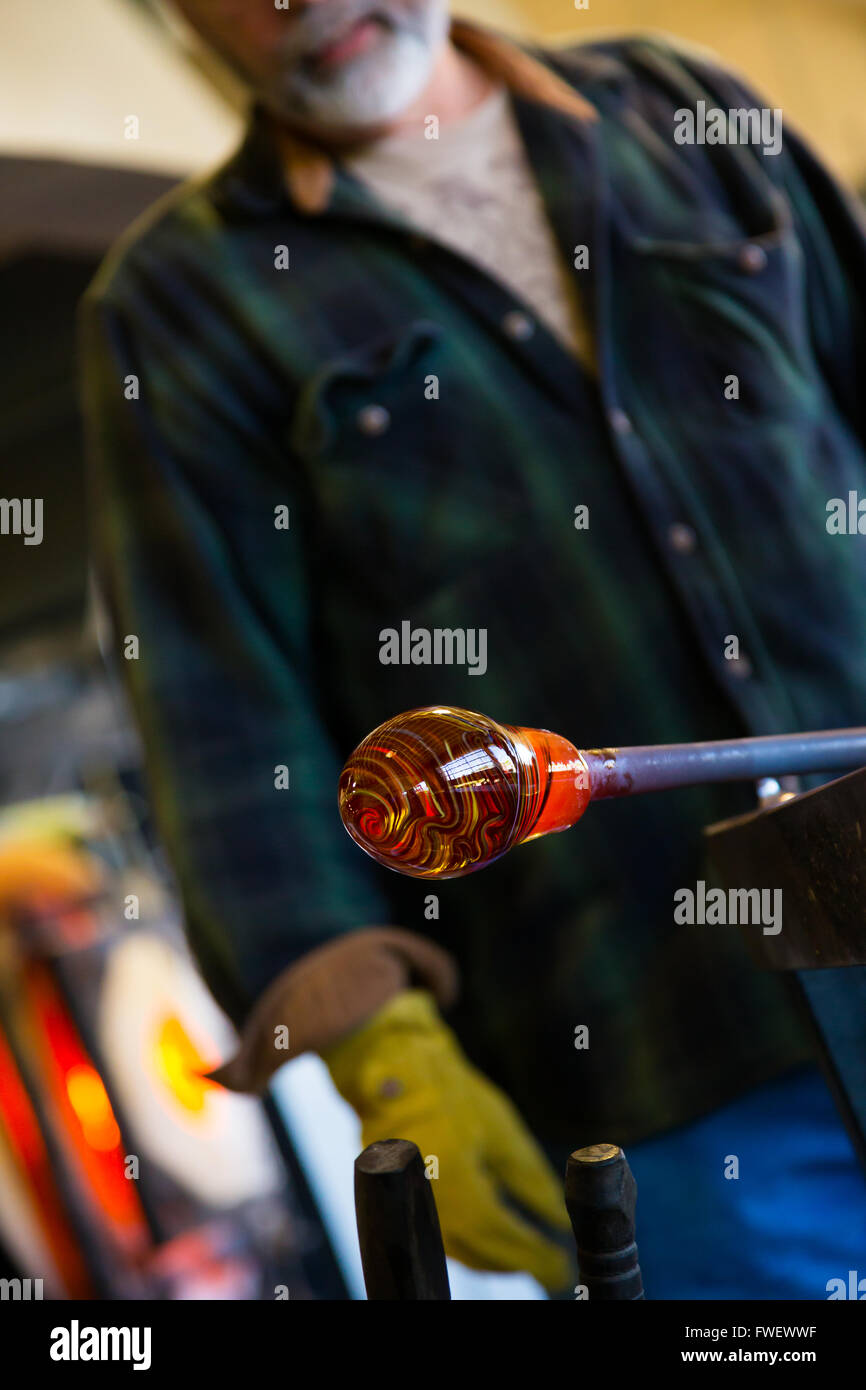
386	435
735	330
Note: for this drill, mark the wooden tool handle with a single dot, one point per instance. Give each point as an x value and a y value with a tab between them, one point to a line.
398	1226
600	1194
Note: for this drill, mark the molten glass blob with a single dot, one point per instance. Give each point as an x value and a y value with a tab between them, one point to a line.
440	792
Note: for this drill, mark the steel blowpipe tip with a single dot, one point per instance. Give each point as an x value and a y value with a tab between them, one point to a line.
440	792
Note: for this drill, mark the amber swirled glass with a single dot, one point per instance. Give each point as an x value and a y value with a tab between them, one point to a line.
440	792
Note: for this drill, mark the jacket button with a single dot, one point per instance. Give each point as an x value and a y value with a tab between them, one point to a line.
682	538
752	259
619	421
373	419
518	326
740	667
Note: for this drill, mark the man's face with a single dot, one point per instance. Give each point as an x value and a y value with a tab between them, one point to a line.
327	65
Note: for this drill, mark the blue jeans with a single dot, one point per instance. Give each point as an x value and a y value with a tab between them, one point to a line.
793	1219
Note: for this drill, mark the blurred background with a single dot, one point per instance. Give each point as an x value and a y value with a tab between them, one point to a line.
122	1173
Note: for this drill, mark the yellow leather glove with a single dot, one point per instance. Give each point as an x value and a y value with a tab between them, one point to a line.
407	1078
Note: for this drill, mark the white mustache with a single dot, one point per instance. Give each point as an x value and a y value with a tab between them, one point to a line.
320	25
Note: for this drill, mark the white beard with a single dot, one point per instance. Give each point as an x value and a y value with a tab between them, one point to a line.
373	88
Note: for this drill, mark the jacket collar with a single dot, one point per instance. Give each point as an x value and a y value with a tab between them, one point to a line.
273	165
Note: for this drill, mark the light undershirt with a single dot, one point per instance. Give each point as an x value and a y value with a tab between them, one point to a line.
473	189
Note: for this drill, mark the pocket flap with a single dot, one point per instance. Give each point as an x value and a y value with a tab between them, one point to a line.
374	361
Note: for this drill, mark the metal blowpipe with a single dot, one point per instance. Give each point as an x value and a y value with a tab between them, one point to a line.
440	792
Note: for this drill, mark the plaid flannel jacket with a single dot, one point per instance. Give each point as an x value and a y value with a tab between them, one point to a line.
220	388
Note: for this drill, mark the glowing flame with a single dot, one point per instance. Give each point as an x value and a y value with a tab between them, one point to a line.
180	1064
89	1099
